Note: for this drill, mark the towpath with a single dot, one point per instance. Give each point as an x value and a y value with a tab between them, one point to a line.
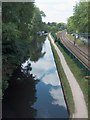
81	110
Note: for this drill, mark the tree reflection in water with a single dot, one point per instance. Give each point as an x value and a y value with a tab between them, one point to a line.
20	95
36	48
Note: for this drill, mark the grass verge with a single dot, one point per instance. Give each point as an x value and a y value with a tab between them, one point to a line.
64	82
77	73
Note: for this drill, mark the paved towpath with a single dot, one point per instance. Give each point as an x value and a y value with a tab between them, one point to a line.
81	110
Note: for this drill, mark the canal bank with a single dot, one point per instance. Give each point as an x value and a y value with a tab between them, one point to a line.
77	93
35	90
64	82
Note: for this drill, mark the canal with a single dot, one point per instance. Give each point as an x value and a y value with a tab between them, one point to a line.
35	90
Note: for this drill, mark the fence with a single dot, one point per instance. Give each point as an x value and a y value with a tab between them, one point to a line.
85	71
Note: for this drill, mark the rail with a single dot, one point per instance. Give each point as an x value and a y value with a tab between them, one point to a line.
67	44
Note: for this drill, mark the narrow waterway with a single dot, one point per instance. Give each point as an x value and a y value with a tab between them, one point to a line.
36	90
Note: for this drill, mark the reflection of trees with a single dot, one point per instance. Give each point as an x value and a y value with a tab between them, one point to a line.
20	95
36	48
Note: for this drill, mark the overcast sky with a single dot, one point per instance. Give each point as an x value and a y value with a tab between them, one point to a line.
56	10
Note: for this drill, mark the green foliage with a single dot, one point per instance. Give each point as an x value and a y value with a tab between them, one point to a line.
79	20
88	17
61	26
54	27
37	24
71	25
54	35
81	16
5	83
20	24
21	12
10	31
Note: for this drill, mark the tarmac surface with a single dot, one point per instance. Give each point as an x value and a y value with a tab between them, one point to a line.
81	110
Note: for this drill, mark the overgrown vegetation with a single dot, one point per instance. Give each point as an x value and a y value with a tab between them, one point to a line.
79	21
64	81
20	24
54	27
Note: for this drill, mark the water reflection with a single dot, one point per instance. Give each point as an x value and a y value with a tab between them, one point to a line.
20	95
50	78
56	93
36	48
35	90
50	103
50	100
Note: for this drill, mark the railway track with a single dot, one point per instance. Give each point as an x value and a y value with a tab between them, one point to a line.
76	51
82	52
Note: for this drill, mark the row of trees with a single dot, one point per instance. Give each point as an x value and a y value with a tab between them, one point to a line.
20	24
79	21
54	27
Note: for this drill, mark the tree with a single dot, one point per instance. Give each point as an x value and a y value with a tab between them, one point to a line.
70	25
20	23
81	16
36	23
54	27
61	26
79	20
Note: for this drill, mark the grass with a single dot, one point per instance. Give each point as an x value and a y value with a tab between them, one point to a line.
77	73
89	100
64	81
78	41
70	37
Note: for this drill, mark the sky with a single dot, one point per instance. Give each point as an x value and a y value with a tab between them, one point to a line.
56	10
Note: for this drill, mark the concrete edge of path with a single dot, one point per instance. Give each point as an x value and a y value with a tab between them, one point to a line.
81	110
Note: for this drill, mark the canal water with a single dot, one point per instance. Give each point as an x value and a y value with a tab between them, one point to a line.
35	90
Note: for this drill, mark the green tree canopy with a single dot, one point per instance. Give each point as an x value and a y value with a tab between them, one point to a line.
20	23
79	20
